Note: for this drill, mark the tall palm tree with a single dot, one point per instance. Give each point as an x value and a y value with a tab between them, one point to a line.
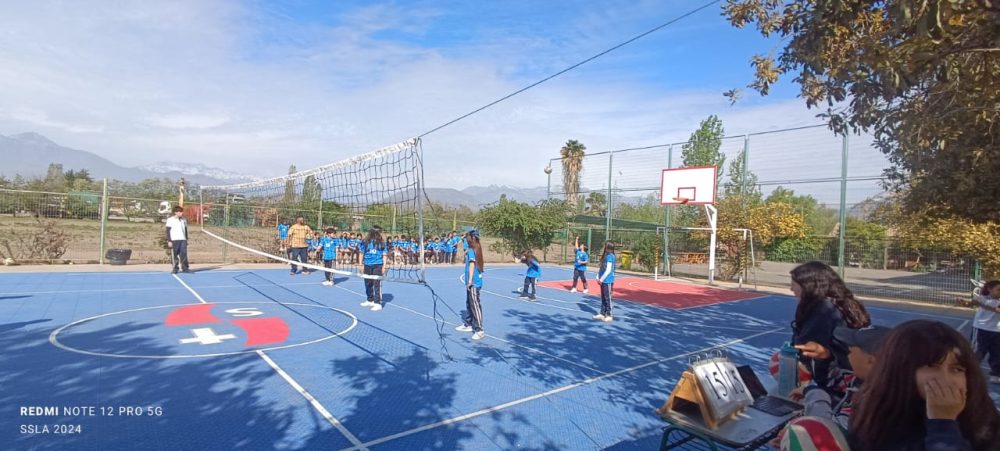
572	164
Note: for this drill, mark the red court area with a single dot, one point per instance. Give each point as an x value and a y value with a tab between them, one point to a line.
663	294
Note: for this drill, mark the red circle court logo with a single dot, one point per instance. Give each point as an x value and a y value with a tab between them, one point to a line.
202	330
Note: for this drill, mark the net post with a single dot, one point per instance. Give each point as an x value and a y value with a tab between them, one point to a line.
420	206
607	228
841	239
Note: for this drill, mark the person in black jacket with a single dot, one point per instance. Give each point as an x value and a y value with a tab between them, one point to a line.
825	303
926	393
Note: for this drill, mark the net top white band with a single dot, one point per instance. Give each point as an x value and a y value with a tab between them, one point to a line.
325	168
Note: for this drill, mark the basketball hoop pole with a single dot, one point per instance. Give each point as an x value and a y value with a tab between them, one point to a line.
712	222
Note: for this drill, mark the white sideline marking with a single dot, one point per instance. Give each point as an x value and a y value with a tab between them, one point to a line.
112	290
962	326
195	293
312	400
295	385
551	392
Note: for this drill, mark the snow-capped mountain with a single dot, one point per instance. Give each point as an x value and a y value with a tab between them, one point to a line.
166	167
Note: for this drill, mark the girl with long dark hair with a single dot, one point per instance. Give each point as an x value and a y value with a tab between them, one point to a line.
606	277
473	319
926	392
371	252
825	303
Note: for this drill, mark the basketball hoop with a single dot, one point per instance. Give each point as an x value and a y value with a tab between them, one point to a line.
681	200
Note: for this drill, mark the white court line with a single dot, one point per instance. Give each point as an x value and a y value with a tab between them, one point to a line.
962	326
138	273
552	392
195	293
315	403
295	385
111	290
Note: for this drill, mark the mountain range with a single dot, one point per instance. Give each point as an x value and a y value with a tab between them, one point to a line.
29	155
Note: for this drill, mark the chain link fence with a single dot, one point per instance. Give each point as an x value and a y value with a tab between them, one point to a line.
833	183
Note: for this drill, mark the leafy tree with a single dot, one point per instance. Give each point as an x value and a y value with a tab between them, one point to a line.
646	210
820	220
596	203
920	75
312	191
702	148
54	179
738	183
572	164
521	226
864	243
769	221
958	235
290	186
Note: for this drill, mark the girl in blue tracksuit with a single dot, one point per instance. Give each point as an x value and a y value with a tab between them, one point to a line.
606	276
580	266
532	275
372	252
473	318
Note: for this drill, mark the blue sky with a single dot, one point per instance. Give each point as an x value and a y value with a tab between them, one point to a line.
255	86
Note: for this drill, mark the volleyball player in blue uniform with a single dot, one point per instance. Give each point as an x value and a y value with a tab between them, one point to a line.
329	244
580	266
372	253
283	236
473	319
606	276
532	275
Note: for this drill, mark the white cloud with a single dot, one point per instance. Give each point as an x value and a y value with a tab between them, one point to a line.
249	90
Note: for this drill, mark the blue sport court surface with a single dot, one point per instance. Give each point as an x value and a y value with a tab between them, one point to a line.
226	359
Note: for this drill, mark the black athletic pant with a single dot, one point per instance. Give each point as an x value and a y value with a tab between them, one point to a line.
988	346
328	264
580	274
179	250
298	254
606	298
473	309
373	287
529	282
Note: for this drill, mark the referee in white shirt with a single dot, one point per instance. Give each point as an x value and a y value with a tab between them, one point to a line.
177	233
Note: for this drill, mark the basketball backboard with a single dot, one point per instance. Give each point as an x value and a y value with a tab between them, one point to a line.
692	186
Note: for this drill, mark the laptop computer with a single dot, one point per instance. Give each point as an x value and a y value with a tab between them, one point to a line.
761	400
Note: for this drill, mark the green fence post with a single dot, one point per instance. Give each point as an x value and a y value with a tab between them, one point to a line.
589	232
977	270
104	220
841	240
607	228
225	231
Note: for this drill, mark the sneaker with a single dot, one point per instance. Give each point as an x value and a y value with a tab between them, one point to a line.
531	298
306	273
173	271
599	317
572	290
464	328
367	304
586	291
376	307
478	335
292	273
995	379
607	319
327	283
